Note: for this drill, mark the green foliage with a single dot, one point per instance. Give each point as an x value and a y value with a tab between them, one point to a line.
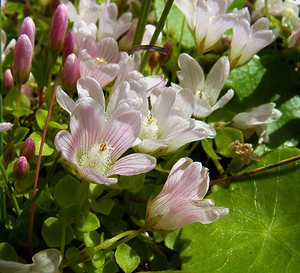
127	258
262	230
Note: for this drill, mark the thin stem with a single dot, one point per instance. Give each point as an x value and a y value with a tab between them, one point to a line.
145	9
38	164
267	8
158	29
226	180
9	190
1	120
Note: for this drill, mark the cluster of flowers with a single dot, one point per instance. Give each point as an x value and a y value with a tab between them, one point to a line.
144	113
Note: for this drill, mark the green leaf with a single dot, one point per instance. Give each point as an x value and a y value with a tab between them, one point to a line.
225	137
91	238
174	23
7	252
261	232
103	206
207	146
20	134
65	191
47	150
52	229
127	258
41	116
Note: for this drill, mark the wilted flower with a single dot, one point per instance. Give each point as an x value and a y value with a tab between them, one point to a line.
22	59
207	20
181	200
45	261
206	91
256	120
247	41
95	145
5	126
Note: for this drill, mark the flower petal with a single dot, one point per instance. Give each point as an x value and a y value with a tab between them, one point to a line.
133	164
64	101
97	177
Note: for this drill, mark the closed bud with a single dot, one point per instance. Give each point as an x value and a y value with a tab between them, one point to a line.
69	44
28	28
28	149
22	59
58	28
21	168
164	58
8	80
153	60
71	72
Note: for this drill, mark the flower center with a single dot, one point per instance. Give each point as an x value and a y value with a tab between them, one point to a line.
100	60
149	128
200	94
98	158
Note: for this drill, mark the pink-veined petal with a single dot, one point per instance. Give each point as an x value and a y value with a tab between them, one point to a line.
64	101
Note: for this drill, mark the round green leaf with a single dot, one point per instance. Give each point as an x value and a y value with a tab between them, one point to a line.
261	232
127	258
91	238
41	116
103	206
47	150
52	229
7	252
65	191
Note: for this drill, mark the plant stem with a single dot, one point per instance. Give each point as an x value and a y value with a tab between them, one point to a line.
9	191
38	164
226	180
140	29
158	29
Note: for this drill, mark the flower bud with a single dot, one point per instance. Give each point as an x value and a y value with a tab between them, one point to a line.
71	72
153	60
28	149
21	168
69	44
164	58
22	59
8	80
58	28
28	28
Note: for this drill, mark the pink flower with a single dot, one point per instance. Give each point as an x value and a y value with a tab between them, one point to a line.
181	200
95	145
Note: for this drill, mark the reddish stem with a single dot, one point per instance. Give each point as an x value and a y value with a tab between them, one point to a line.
38	164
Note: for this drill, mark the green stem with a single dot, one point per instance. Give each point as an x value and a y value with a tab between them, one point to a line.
10	191
158	29
140	29
109	244
267	8
218	165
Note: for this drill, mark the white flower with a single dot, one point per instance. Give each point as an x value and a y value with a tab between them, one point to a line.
166	128
181	200
5	126
6	49
294	38
247	41
45	261
206	91
256	120
94	145
207	20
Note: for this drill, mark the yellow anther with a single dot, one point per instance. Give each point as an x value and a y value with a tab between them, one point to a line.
100	60
102	147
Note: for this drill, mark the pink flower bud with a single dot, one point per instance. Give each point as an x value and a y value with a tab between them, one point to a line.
58	28
22	59
8	80
28	149
69	44
21	168
28	28
71	72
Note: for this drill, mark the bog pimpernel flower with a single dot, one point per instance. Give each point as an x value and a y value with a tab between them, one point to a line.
5	126
206	91
95	146
181	200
